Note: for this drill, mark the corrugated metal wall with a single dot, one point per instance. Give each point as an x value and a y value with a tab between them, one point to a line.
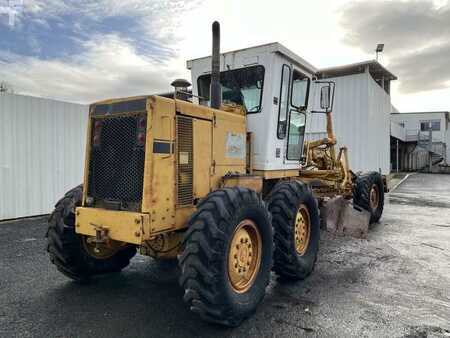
41	153
379	124
360	121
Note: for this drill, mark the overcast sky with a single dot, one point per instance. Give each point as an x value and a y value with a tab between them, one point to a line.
86	50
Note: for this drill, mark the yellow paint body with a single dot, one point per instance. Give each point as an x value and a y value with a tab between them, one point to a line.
211	160
124	226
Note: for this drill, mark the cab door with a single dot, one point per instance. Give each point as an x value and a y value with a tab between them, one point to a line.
296	123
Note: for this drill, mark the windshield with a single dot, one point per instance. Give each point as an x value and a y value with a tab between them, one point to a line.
242	86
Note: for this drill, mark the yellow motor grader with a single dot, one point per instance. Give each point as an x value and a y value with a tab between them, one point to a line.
220	178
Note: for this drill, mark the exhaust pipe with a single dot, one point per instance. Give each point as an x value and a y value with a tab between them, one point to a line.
215	90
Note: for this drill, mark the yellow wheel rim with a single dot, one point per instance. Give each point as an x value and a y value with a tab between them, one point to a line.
102	251
244	256
374	197
302	230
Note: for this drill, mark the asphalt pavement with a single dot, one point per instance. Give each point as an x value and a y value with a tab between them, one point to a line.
395	284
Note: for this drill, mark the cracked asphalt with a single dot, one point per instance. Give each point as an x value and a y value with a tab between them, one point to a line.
395	284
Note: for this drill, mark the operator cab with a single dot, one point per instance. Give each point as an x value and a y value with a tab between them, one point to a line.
274	85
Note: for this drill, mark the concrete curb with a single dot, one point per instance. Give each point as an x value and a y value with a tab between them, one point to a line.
402	180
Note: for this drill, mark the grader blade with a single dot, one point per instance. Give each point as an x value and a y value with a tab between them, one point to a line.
339	216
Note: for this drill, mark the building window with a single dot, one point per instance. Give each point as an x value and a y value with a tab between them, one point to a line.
435	125
402	124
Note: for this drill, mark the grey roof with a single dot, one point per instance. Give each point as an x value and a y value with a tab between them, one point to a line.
375	68
447	113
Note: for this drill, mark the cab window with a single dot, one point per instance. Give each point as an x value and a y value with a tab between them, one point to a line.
243	86
296	135
283	106
299	90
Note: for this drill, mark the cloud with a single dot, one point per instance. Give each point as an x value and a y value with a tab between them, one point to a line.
87	50
416	35
110	67
424	70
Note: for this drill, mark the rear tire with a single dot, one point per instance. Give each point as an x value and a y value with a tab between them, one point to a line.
67	250
212	288
368	193
296	244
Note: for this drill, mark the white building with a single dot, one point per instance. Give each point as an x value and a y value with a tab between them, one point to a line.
361	114
412	130
42	146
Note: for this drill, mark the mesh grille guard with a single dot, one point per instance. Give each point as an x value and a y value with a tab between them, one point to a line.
116	162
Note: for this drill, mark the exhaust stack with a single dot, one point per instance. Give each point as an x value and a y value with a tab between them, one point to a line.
215	90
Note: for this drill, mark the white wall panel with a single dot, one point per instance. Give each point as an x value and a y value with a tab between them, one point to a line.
379	128
447	144
360	121
398	131
41	153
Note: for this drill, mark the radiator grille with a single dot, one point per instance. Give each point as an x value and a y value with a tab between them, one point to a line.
184	161
116	165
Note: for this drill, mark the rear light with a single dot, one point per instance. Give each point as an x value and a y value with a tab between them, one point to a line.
96	140
97	131
142	123
141	139
141	131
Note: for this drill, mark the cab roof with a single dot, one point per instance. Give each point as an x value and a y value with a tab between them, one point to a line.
274	47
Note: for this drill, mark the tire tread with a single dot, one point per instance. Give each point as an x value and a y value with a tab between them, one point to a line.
64	245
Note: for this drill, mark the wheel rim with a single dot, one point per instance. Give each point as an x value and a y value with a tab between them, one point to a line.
244	256
103	250
374	197
302	230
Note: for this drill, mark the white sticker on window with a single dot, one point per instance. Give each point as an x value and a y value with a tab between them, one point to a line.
235	146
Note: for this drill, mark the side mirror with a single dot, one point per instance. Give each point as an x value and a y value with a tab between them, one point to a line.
326	100
325	97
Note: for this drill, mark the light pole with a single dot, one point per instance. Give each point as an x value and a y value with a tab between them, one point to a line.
379	49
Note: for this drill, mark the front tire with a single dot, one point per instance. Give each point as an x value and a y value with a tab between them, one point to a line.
227	256
70	252
368	193
296	222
